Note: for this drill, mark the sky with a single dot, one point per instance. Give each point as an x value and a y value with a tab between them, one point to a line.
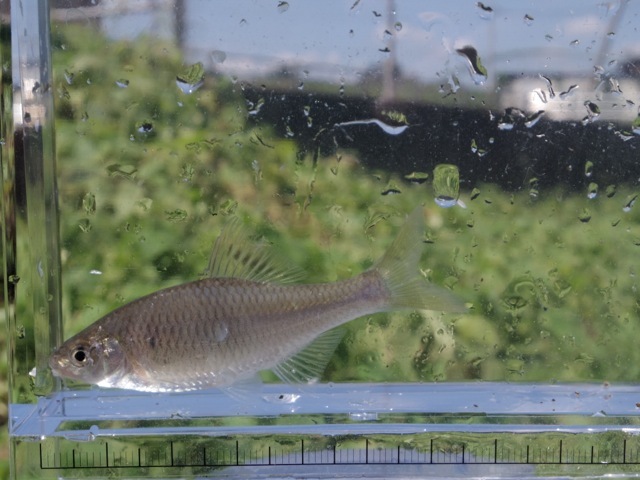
333	38
562	35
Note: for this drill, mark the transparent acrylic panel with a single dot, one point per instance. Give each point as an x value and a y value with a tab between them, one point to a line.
322	125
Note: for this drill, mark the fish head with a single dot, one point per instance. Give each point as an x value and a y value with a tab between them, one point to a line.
88	358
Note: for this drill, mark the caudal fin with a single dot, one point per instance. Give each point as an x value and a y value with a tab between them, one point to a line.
399	269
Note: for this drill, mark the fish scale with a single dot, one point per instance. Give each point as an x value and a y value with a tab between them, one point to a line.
217	331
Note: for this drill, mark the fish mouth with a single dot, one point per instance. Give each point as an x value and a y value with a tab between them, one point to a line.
56	365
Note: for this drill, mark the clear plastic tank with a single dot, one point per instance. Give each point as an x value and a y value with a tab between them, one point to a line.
133	131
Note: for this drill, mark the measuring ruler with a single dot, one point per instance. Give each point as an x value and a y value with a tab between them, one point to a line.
329	431
537	453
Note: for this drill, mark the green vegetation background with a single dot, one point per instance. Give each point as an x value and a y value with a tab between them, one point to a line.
148	175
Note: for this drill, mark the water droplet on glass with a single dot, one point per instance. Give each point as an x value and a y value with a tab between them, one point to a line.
635	126
629	202
254	108
446	185
610	191
144	127
191	79
486	12
573	43
475	193
89	203
94	431
283	7
547	80
122	83
534	188
95	272
397	26
125	171
417	177
474	146
177	215
533	119
68	76
569	91
592	191
14	279
218	56
585	215
548	37
391	130
21	331
454	84
542	96
588	168
528	19
397	117
477	70
505	125
592	109
85	225
391	189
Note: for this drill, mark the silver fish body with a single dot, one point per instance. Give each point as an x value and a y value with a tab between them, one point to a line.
216	331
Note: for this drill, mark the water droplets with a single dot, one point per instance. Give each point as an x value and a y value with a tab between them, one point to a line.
593	111
144	127
528	19
417	177
218	56
485	11
629	202
390	129
283	7
635	126
610	191
391	189
569	91
588	168
124	171
585	215
122	83
477	70
191	79
446	185
177	215
592	191
89	203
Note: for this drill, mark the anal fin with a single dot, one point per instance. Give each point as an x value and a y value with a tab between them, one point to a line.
309	364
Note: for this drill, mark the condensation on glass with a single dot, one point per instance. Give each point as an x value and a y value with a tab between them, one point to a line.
514	125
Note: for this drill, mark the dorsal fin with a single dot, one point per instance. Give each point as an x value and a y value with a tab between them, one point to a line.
234	255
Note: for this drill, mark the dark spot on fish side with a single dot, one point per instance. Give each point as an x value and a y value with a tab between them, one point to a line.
152	342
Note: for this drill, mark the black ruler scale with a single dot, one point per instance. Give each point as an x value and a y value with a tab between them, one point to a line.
536	449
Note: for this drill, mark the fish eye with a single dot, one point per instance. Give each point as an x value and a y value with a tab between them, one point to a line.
79	355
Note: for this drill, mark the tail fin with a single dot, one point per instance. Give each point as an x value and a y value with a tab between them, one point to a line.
399	269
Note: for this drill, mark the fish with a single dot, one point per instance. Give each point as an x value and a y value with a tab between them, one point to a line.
245	316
